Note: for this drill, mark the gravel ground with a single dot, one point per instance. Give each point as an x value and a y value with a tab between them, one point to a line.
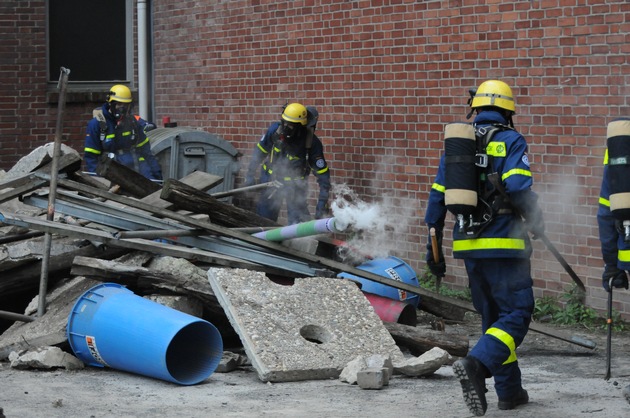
563	380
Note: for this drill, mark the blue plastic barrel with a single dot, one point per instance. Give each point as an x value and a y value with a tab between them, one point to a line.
393	268
111	326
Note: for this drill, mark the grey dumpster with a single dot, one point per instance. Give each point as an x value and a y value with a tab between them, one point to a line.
181	151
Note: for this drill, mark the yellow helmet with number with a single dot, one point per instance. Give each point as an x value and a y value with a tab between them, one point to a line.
119	93
295	113
494	93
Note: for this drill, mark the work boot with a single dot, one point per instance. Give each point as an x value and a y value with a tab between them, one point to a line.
521	398
472	376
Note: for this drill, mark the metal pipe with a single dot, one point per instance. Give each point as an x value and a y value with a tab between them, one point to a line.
304	229
19	237
16	317
160	233
246	189
253	229
54	174
143	78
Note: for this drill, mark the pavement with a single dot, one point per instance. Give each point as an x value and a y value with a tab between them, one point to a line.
563	380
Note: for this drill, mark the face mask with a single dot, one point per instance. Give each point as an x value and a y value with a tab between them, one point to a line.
119	110
290	130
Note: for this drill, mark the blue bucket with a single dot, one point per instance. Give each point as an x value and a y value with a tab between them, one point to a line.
393	268
111	326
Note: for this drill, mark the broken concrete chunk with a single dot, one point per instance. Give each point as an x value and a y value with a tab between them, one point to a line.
381	361
44	358
373	378
36	158
181	303
424	365
352	369
230	361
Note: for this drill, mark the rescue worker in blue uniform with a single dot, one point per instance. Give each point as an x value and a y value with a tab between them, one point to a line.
115	133
497	255
288	152
615	246
613	214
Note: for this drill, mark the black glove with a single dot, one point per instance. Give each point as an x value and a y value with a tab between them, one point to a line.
438	269
612	275
321	210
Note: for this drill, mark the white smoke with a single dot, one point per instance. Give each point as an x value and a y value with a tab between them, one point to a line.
372	228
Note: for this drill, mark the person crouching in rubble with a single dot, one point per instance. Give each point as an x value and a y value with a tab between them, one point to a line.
493	243
287	153
115	133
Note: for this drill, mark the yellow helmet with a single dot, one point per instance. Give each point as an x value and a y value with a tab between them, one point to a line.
119	93
295	113
494	93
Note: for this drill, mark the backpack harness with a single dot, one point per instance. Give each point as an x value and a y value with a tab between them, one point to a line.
491	201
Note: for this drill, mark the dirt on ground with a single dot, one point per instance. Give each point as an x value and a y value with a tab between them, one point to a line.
563	380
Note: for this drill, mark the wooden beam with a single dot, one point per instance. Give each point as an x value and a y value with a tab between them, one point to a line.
129	180
420	340
199	180
189	198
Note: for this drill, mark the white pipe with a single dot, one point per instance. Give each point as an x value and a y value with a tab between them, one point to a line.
143	77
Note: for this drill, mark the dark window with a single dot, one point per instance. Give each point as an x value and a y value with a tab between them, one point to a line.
90	38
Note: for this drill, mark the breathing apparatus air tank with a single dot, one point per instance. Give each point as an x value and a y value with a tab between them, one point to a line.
460	147
618	143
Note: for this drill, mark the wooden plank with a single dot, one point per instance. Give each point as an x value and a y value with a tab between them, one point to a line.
94	181
420	340
23	274
129	180
39	178
221	213
199	180
27	187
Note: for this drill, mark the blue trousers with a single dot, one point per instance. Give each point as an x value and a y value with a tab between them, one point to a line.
502	293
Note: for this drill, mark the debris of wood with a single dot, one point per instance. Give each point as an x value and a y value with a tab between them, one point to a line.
129	180
420	340
199	180
191	199
20	262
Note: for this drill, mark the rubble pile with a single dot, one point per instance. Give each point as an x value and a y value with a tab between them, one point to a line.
279	306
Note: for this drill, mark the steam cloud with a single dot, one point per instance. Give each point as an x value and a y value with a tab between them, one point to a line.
372	228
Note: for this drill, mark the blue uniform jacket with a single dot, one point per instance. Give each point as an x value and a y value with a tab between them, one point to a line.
126	142
615	251
288	162
505	236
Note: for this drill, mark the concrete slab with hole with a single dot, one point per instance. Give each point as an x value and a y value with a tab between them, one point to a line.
306	331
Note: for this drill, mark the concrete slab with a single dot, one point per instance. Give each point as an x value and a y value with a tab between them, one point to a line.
306	331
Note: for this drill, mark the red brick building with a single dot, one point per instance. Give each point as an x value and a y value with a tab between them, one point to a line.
386	76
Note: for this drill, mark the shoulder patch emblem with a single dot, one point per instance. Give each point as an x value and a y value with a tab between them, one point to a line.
525	160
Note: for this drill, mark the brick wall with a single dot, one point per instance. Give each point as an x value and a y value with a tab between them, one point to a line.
386	76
